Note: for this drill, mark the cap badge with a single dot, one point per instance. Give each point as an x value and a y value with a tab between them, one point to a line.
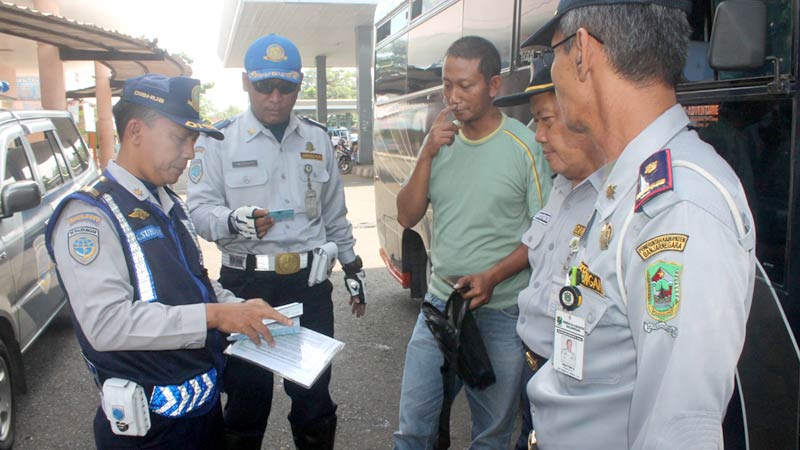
195	101
275	53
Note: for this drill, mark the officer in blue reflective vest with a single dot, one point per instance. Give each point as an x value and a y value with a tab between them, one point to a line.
148	319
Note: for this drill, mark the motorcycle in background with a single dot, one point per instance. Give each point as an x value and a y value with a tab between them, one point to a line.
344	156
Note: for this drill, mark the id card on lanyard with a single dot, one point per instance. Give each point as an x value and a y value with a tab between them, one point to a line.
568	344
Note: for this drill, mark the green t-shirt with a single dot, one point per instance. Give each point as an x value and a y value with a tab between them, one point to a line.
484	194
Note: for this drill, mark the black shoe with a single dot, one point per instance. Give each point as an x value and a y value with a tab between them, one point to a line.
318	435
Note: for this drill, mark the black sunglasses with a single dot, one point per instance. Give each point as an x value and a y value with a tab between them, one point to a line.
270	84
552	48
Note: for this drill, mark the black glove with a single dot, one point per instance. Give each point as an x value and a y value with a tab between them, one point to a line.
355	279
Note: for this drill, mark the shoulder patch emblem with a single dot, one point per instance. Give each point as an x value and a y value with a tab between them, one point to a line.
139	213
87	217
196	170
662	243
655	177
84	244
663	287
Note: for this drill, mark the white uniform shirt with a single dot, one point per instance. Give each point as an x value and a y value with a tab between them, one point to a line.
563	218
657	373
101	293
250	167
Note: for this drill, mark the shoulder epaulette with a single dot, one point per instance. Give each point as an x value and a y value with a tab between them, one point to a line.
655	177
224	123
311	121
97	187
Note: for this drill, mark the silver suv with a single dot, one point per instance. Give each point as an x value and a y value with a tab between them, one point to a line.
42	160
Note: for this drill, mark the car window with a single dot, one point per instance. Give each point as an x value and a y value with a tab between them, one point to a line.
46	161
17	166
73	147
62	162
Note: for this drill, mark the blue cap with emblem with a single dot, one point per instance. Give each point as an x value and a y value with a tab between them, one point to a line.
273	56
544	35
540	82
176	98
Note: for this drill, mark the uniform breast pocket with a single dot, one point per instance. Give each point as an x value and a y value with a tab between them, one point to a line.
599	365
246	185
316	174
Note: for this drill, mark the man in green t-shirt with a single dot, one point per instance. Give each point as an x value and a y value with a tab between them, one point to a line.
485	178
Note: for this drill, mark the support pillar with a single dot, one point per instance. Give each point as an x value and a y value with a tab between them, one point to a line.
105	122
364	96
322	89
51	69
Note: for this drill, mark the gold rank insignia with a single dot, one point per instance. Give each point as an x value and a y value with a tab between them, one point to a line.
139	213
611	191
605	236
275	53
310	147
651	168
138	192
251	131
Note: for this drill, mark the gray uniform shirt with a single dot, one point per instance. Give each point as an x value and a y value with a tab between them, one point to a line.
562	220
658	372
101	294
250	167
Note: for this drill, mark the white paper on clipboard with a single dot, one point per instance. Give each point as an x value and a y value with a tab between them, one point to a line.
300	357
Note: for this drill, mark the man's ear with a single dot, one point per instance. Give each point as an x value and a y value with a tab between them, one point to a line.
245	82
134	131
584	53
494	85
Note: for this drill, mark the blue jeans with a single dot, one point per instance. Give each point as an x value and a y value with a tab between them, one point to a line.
493	409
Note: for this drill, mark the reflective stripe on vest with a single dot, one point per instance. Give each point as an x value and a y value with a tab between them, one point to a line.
144	278
179	400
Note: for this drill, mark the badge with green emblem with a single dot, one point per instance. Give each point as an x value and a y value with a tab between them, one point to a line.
663	284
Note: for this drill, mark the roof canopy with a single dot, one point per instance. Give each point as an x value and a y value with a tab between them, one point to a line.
126	56
317	27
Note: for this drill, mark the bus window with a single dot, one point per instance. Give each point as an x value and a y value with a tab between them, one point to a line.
534	14
780	15
487	20
384	8
754	137
420	7
427	43
397	23
390	69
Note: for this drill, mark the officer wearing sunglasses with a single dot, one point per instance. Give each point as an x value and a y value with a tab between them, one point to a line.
269	196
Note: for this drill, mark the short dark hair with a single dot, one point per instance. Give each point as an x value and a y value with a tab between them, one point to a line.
124	111
476	47
644	42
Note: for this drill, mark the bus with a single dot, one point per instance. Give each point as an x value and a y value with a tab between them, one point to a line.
750	114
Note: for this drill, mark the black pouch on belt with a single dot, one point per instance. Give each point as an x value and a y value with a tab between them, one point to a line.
460	341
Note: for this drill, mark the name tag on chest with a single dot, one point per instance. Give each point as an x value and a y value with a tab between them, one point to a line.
249	163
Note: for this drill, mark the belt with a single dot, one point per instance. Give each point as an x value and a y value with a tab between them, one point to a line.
282	263
534	361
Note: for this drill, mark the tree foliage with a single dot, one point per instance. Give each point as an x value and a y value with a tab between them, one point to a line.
341	83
